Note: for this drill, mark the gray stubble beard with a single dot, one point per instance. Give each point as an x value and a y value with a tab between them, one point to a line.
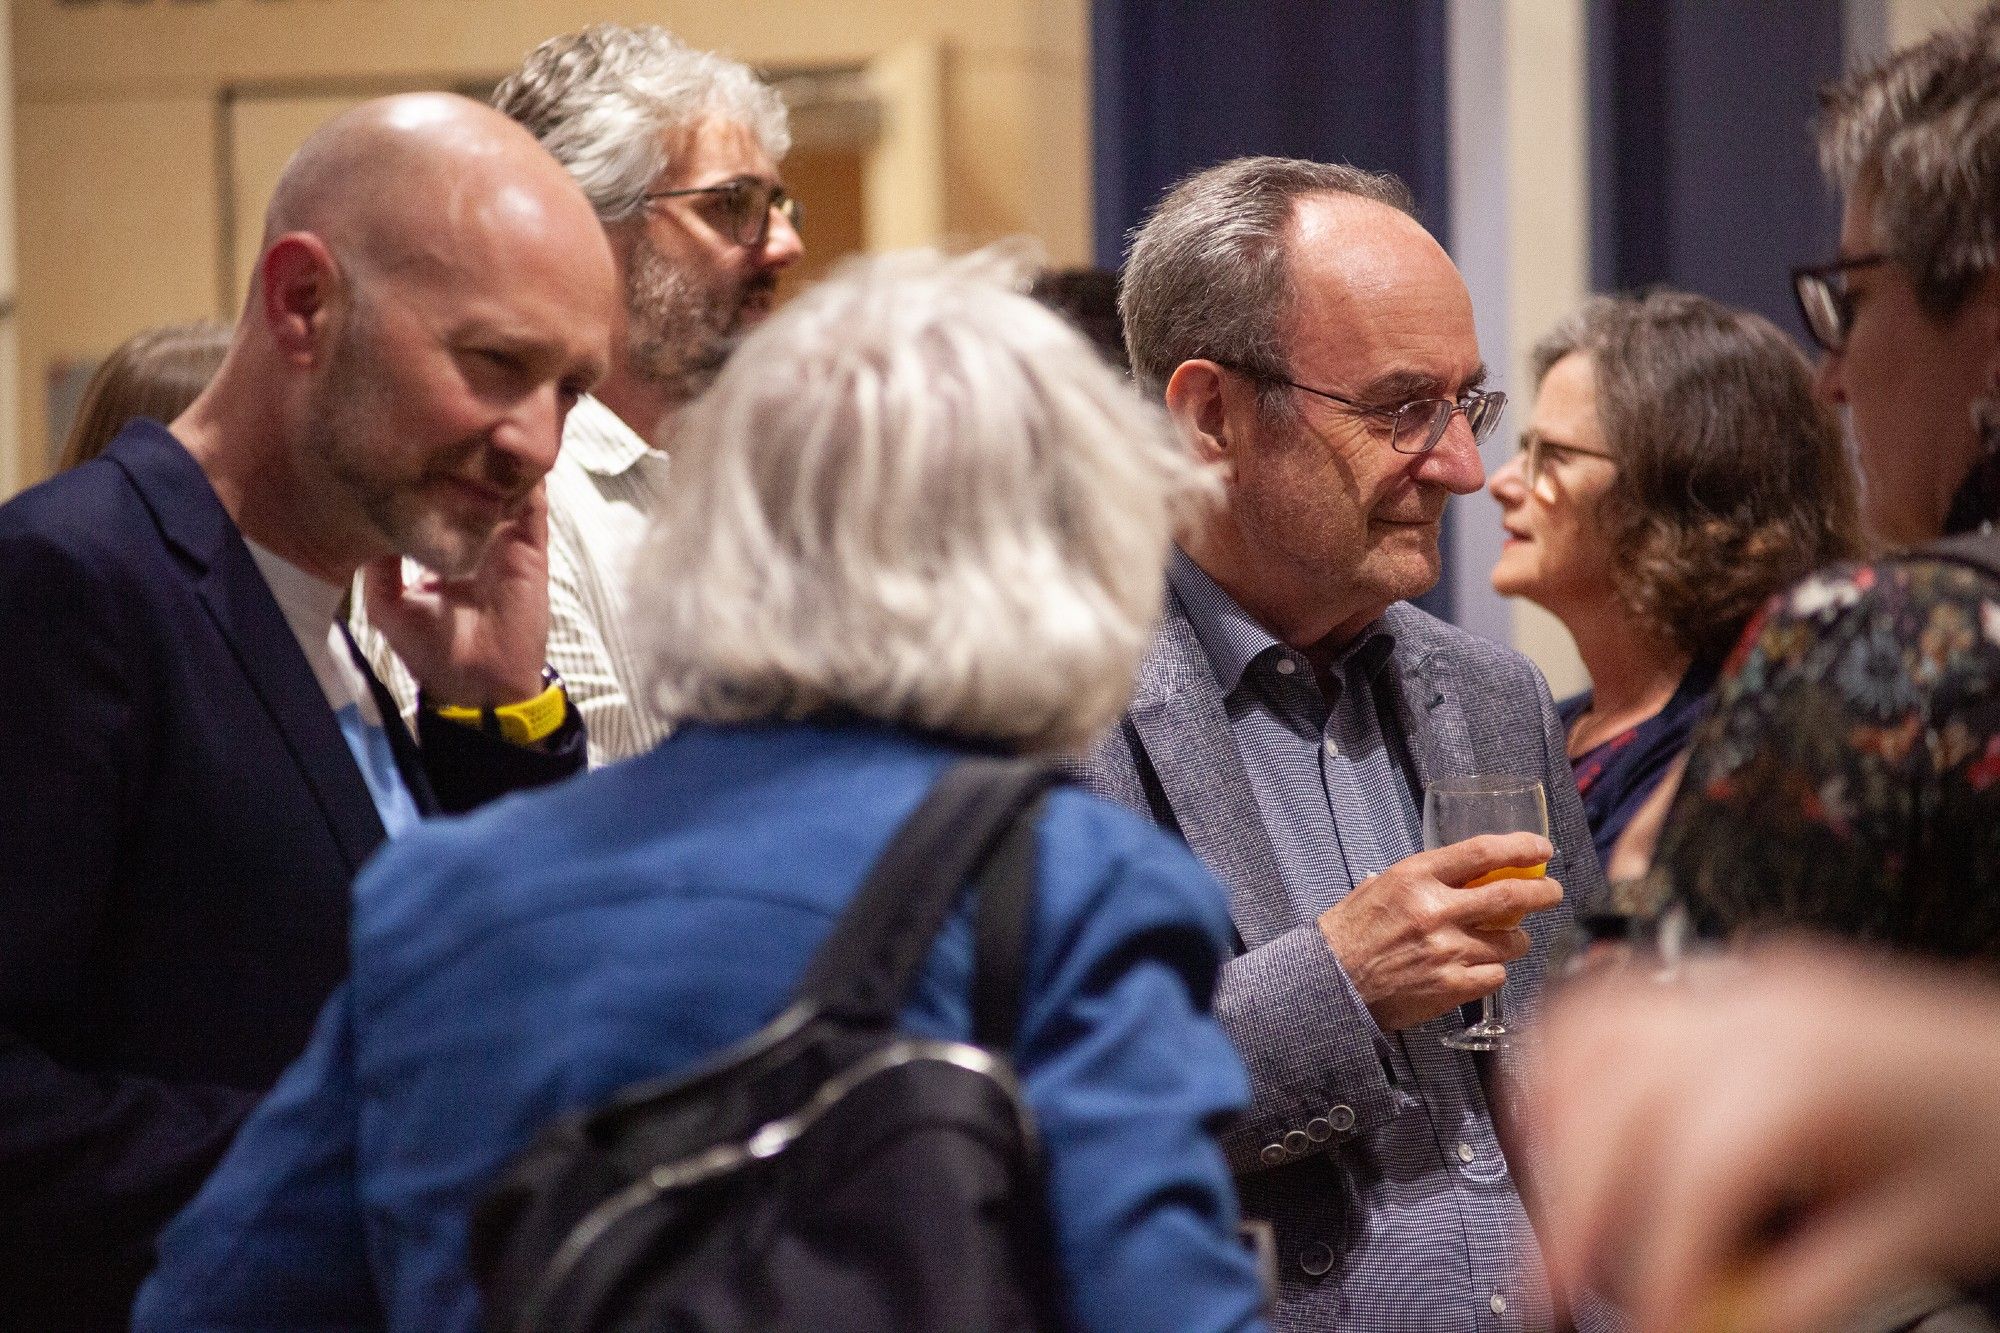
680	334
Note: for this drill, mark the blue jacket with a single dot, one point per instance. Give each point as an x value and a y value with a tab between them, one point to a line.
181	824
547	952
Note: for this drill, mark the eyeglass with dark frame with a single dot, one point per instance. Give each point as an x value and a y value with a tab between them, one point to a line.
1424	419
1824	303
744	208
1532	455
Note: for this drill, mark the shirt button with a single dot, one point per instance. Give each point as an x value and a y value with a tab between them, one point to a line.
1317	1259
1272	1154
1342	1117
1296	1142
1319	1129
1286	666
1465	1153
1332	745
1498	1304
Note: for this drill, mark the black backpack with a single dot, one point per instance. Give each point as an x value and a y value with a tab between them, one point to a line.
828	1173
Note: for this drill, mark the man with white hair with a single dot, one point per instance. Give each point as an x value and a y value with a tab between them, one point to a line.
677	150
208	762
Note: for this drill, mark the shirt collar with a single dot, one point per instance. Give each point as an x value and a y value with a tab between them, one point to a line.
1232	639
311	608
310	604
1227	633
600	441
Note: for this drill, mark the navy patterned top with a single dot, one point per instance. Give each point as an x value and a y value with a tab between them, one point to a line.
1614	777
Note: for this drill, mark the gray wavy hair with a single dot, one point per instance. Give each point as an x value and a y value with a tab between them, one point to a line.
1206	274
917	496
1922	129
604	100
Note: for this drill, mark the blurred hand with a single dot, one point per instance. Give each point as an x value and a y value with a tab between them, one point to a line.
1416	943
481	640
1765	1146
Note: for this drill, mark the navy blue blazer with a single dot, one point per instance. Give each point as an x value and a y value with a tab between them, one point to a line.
181	821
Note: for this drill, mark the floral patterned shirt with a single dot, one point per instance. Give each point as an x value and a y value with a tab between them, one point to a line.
1848	777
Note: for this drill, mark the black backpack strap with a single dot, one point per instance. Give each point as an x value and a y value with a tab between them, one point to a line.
1980	550
867	967
1001	911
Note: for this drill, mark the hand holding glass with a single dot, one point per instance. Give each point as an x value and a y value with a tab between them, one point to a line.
1459	808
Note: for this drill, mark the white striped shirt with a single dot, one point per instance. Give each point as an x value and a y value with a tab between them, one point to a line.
603	492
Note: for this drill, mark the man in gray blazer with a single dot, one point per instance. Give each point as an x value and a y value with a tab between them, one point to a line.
1315	343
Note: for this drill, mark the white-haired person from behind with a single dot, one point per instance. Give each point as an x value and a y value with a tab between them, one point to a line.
916	520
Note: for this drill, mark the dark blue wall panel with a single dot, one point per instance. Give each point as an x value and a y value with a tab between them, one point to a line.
1183	84
1704	173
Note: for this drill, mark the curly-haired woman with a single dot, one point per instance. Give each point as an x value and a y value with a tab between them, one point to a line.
1677	471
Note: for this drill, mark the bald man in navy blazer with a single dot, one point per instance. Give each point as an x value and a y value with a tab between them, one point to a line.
200	763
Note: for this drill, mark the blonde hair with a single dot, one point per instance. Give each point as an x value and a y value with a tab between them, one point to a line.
916	495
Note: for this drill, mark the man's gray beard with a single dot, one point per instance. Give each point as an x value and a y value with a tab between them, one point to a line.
346	408
679	333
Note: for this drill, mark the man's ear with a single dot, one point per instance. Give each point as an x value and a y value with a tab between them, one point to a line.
298	283
1197	397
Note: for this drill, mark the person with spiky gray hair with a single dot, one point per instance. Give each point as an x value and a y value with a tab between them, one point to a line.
677	149
1846	782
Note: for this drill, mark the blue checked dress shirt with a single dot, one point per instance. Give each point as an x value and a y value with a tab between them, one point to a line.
1445	1243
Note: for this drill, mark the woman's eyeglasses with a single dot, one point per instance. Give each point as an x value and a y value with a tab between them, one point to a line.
1535	453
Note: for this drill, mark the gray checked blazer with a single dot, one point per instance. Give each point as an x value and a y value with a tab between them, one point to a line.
1461	705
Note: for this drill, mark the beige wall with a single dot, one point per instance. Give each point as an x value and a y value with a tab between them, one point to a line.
1520	209
1549	217
125	201
1913	20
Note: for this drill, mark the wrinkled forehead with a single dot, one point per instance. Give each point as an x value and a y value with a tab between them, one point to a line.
1857	219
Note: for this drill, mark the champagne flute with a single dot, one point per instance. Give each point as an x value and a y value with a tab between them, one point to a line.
1459	808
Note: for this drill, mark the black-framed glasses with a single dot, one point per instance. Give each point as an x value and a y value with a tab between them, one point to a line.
1417	426
1535	455
1824	301
742	208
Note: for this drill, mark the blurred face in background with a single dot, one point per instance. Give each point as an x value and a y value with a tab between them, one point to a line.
695	280
1555	553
